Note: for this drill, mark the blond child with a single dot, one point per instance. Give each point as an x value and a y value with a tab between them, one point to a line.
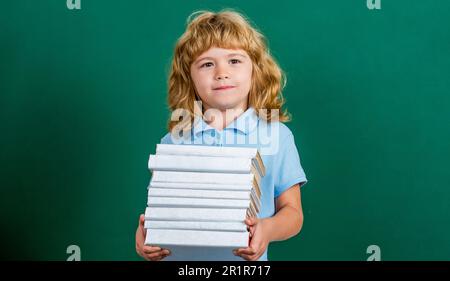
225	90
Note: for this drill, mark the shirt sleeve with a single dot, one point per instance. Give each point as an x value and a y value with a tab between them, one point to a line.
289	170
166	139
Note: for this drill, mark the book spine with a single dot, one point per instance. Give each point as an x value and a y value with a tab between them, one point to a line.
195	214
199	164
203	150
200	186
193	177
196	225
198	202
195	193
196	238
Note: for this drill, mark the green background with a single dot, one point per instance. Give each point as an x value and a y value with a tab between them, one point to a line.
83	104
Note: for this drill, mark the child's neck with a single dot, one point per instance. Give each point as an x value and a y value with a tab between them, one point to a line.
220	119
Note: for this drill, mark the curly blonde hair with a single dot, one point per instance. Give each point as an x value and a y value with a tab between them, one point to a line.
229	30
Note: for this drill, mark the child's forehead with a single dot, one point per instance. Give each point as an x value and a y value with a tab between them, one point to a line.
222	52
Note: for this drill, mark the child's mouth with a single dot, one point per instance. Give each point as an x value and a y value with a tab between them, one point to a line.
223	88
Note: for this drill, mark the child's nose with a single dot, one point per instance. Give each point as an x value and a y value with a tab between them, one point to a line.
222	76
222	72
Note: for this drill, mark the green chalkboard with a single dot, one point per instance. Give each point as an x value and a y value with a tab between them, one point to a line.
83	104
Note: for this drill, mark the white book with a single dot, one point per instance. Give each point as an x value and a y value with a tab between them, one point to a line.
254	197
206	186
196	177
213	151
196	225
212	194
167	237
195	214
206	150
197	202
198	193
200	164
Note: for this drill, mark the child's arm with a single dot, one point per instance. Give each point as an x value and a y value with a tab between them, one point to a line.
286	223
288	219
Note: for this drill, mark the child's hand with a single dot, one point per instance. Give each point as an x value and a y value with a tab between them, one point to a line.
258	240
152	253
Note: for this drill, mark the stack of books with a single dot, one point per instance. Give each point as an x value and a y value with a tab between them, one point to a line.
199	197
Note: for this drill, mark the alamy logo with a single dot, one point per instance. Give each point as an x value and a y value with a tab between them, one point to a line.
374	4
375	252
73	4
75	253
264	135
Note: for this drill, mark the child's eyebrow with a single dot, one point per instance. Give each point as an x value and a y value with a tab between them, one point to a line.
229	55
236	54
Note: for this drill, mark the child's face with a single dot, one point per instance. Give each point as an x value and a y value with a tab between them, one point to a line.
223	78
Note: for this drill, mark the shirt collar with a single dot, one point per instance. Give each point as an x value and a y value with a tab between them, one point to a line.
245	123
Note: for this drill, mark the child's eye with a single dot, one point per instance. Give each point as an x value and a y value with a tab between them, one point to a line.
206	64
234	61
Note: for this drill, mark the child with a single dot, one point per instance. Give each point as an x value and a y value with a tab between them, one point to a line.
225	90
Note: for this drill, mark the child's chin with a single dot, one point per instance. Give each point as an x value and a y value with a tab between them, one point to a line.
225	106
225	103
